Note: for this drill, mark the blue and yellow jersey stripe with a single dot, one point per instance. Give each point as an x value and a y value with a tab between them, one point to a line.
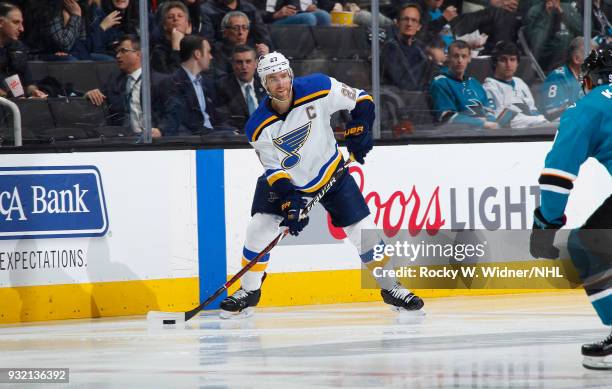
364	96
255	126
310	88
311	97
324	174
274	175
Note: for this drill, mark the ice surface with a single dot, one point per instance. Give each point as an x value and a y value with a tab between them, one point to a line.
503	341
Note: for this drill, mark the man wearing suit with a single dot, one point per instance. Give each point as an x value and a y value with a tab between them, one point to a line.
121	92
190	105
239	93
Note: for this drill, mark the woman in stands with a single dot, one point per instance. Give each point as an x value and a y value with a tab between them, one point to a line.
57	30
112	20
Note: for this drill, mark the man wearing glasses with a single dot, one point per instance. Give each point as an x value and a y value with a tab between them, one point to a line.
122	92
235	28
404	61
216	11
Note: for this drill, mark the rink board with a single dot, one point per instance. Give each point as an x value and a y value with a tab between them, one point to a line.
171	224
403	182
54	266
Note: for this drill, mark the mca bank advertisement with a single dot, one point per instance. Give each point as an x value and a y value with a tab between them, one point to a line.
90	218
60	201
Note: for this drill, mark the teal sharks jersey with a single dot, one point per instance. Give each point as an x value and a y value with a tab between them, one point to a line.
585	131
460	101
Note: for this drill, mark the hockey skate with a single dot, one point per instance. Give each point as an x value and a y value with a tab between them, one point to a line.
403	301
598	356
241	304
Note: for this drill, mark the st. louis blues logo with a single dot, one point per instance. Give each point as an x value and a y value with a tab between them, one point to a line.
290	144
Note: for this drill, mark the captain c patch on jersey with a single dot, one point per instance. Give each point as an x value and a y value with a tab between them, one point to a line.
290	143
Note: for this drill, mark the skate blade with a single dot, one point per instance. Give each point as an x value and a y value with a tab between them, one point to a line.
227	315
408	313
596	363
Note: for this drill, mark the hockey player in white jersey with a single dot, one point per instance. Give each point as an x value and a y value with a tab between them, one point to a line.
291	134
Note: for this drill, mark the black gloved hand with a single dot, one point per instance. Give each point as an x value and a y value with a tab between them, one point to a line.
358	139
292	207
542	237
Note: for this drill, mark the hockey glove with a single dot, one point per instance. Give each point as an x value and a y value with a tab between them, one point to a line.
542	237
292	207
358	139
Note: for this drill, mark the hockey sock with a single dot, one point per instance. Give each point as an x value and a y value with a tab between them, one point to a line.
262	229
380	269
365	242
251	280
590	253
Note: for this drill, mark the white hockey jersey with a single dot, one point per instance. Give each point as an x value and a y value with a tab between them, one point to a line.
514	95
300	144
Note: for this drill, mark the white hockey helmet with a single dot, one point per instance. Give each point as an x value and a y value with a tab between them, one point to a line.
270	63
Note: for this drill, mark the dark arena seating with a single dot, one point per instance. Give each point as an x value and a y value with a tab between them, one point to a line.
321	42
81	75
76	113
295	42
356	73
65	118
58	119
341	42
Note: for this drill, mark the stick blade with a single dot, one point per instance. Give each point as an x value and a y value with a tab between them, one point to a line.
166	318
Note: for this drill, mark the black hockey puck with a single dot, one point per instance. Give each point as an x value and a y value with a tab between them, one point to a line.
169	321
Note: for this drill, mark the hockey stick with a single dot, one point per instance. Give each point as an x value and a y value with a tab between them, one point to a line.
176	317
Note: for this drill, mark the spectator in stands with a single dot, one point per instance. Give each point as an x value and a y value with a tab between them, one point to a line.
404	61
296	12
458	98
122	92
562	87
189	108
508	92
112	20
437	21
239	93
165	54
235	27
499	20
200	23
217	9
58	30
14	54
549	28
